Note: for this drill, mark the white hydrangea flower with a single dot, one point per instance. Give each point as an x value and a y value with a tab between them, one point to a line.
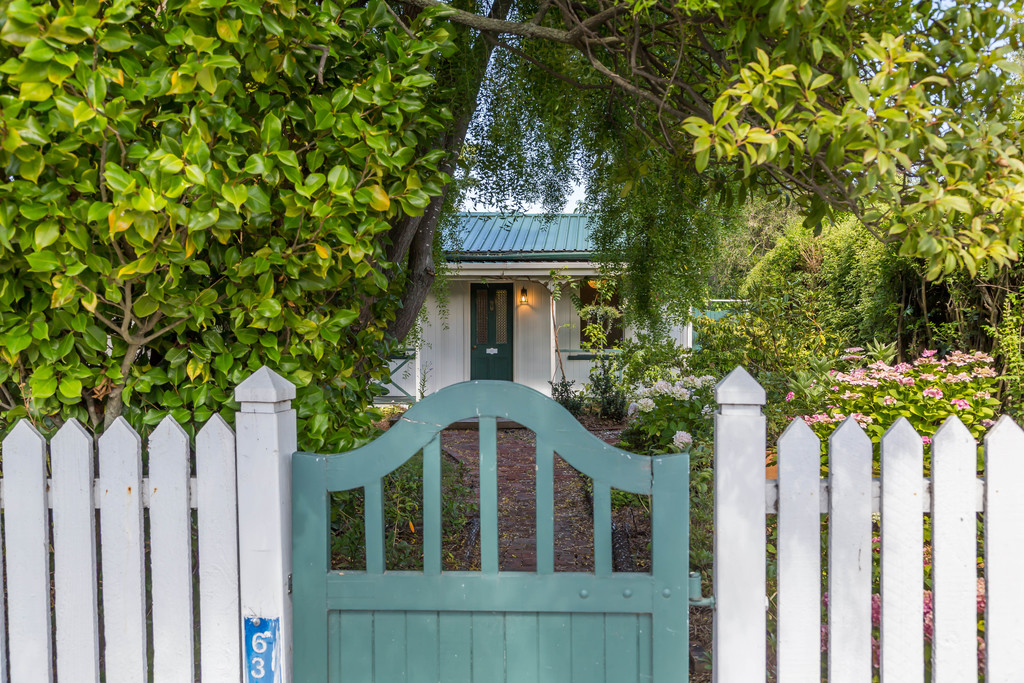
682	440
706	411
680	394
661	387
645	405
632	410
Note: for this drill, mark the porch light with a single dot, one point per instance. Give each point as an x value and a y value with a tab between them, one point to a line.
522	296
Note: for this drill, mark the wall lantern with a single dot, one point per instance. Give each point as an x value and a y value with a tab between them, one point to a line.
522	296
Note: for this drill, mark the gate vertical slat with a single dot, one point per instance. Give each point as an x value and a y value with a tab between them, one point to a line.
355	649
217	520
739	570
333	646
373	518
954	567
488	494
643	630
422	643
849	555
457	645
587	657
432	507
521	648
74	555
122	556
602	528
389	647
555	632
488	647
799	555
545	507
1004	554
901	562
620	636
310	560
670	562
26	553
170	532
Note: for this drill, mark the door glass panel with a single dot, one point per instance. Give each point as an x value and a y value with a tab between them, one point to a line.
501	316
481	316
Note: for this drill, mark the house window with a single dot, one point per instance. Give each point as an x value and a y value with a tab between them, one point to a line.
589	297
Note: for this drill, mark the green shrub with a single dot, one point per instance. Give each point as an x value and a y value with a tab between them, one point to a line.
604	391
925	392
667	417
571	400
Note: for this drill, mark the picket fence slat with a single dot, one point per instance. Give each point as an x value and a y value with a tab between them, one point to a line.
74	554
170	533
799	556
122	556
1004	552
3	623
902	573
954	568
432	506
545	507
26	554
219	635
849	555
739	546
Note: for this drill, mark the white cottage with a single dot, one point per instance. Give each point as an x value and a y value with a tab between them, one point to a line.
499	319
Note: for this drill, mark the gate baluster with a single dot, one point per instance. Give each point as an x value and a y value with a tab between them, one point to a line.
432	507
602	528
489	494
373	516
545	507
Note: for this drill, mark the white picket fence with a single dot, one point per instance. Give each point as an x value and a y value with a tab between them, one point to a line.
849	497
100	609
96	609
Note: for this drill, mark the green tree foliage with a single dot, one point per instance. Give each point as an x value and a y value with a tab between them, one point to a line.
193	189
898	113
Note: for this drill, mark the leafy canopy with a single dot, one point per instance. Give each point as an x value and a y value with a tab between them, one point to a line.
193	189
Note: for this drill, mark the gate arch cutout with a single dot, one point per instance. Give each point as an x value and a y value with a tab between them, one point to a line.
489	626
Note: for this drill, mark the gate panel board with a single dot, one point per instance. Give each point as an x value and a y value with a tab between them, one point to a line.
457	646
490	626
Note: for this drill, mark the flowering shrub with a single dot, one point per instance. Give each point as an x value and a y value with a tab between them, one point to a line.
925	392
667	416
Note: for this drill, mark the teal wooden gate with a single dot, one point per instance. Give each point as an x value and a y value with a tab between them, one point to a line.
489	626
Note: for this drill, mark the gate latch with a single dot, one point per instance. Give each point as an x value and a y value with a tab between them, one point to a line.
695	599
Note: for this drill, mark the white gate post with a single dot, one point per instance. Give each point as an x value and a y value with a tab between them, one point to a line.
739	569
265	433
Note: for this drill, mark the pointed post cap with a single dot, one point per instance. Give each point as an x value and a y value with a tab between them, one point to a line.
739	388
264	386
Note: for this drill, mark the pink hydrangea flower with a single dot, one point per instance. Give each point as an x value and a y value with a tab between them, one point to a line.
926	440
790	396
889	400
933	392
928	353
960	403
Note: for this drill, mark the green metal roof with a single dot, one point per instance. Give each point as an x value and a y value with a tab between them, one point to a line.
523	237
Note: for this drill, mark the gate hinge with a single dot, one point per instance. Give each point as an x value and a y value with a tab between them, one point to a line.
695	599
289	584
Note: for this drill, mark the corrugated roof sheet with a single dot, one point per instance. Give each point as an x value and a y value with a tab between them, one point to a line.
496	236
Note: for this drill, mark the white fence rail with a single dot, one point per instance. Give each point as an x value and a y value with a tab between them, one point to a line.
902	498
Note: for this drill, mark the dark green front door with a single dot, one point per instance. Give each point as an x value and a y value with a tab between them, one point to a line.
490	355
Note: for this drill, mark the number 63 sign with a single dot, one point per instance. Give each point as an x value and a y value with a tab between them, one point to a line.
261	650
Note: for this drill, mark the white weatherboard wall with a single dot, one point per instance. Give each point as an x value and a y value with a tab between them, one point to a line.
531	361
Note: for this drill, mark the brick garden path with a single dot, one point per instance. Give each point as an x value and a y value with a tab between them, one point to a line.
574	531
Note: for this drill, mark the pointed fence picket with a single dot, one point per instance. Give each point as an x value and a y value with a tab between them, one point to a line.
117	569
842	506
